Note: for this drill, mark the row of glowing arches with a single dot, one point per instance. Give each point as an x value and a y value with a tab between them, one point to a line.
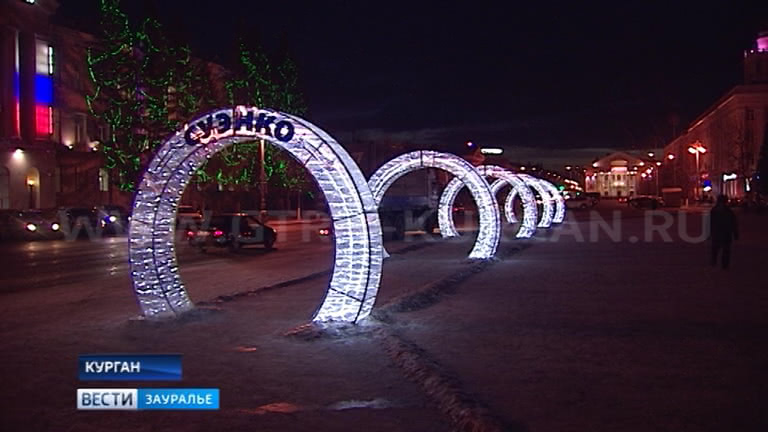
352	201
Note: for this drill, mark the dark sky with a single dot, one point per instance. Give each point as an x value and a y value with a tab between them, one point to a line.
534	77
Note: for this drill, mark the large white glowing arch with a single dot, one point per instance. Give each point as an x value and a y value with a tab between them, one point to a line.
528	225
490	224
357	269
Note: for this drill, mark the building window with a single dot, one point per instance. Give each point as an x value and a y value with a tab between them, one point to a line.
79	121
43	89
50	60
102	130
5	182
57	179
17	122
103	180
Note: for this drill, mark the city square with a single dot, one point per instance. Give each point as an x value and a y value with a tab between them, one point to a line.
288	225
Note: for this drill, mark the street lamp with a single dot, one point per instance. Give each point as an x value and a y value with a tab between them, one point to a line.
697	149
18	154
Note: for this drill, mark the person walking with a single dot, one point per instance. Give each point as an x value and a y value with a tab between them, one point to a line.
723	229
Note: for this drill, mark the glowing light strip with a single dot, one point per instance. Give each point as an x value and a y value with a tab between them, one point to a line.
496	186
357	268
559	216
548	208
527	227
490	226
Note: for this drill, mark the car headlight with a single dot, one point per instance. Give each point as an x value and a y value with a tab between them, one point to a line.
31	227
55	226
113	218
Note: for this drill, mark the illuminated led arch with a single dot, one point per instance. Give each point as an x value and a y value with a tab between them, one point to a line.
490	226
509	214
559	216
357	268
548	208
504	177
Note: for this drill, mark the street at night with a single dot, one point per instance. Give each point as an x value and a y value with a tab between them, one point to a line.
366	216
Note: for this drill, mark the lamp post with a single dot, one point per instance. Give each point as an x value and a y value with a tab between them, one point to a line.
671	159
262	184
697	149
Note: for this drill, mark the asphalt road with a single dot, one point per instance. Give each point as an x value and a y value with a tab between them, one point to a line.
43	264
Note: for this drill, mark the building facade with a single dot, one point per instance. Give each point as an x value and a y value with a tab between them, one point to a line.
49	142
718	152
47	138
621	174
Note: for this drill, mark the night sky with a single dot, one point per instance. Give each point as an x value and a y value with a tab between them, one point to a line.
548	82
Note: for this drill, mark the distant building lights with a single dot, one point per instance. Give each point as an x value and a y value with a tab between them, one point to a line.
651	154
469	144
491	150
18	154
670	156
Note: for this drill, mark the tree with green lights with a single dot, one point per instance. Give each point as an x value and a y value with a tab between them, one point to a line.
255	82
145	87
140	90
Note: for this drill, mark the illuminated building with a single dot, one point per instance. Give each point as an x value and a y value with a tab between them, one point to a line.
615	175
730	131
43	80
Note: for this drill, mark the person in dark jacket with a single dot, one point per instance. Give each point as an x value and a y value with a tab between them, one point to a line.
723	229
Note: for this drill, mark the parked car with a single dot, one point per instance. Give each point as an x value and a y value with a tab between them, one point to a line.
595	196
580	201
233	230
27	225
651	202
622	200
112	219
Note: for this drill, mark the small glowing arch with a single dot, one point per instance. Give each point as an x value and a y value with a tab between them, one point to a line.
503	176
357	268
490	226
559	216
509	214
548	208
